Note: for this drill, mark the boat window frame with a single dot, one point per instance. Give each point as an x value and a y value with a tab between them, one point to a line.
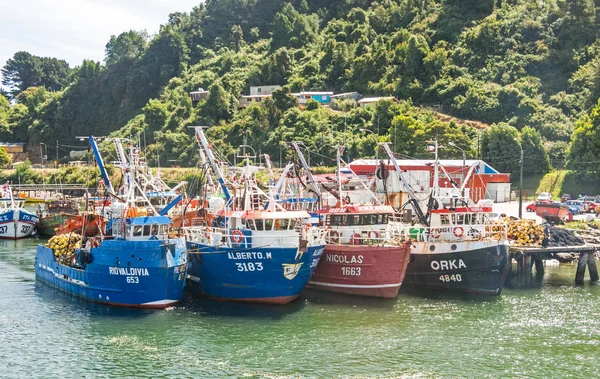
137	230
269	223
164	230
445	219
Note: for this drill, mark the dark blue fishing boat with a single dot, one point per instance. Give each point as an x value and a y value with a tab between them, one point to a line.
136	265
252	250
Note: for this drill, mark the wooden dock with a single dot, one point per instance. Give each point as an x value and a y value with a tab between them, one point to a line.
528	257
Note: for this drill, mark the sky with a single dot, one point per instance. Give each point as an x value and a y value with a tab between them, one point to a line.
75	30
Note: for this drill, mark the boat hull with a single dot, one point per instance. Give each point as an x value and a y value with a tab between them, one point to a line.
148	274
271	275
374	271
49	224
17	223
472	267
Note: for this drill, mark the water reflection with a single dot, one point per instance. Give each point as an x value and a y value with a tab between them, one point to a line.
348	301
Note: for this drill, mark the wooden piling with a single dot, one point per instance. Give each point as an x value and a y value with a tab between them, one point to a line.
593	269
581	263
539	264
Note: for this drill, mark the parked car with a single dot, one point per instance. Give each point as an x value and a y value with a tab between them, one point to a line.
575	209
591	205
565	197
579	205
533	206
544	196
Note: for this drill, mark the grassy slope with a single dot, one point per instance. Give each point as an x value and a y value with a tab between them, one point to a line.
565	181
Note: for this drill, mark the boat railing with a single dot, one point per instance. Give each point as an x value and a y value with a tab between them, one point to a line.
314	235
365	237
212	236
454	233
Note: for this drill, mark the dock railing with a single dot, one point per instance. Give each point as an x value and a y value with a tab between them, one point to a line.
453	233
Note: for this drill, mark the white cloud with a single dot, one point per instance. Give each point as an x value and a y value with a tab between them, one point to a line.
75	30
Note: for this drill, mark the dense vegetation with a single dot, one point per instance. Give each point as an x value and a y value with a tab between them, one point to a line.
527	68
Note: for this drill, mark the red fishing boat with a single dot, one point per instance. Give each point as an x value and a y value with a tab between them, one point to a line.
362	255
87	224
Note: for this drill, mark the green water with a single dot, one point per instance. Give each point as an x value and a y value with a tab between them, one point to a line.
551	330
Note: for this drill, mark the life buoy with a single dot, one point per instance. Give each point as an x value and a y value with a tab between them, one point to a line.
373	235
237	236
208	233
355	239
435	233
459	231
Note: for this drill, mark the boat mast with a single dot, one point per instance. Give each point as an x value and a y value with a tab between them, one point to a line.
201	138
436	179
316	189
413	199
339	171
101	166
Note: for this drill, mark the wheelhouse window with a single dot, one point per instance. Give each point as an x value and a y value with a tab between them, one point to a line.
147	229
268	224
460	219
445	219
137	230
468	219
164	229
282	224
154	229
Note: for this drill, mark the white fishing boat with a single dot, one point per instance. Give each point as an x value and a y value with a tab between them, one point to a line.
15	221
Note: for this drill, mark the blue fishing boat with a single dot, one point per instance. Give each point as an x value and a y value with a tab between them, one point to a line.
137	265
15	222
251	250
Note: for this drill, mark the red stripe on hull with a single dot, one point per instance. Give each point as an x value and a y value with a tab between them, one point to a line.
375	271
280	300
151	306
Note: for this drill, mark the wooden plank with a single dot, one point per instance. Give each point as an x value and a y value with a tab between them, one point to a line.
555	249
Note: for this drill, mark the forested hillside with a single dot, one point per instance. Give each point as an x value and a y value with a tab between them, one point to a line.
528	68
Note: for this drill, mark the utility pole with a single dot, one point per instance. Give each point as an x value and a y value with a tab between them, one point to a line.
56	151
521	186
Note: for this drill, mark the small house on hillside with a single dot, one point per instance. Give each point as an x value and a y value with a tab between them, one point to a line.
321	97
347	95
372	101
263	90
15	150
245	101
199	95
257	94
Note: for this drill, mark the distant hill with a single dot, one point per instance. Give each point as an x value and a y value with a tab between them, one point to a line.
517	62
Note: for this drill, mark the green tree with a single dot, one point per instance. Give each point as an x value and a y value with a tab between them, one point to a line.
130	45
585	144
4	158
24	70
535	156
217	105
500	148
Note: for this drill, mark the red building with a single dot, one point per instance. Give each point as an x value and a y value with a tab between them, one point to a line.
484	183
